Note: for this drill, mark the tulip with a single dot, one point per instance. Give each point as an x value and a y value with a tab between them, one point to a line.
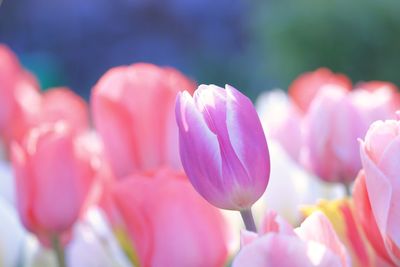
379	154
307	86
222	146
314	243
54	171
333	124
167	222
133	110
19	96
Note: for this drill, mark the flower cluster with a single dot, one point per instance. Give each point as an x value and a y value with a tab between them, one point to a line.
155	172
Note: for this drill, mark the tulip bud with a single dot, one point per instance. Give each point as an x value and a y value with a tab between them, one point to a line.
54	172
222	146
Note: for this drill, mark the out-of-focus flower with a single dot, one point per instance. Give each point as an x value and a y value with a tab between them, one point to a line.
332	126
63	104
341	213
314	243
168	223
93	244
281	120
380	159
222	146
365	218
54	171
376	101
133	110
307	86
19	96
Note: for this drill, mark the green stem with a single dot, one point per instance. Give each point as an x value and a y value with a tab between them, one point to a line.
59	250
248	220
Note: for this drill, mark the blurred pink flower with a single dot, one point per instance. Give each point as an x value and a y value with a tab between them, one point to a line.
54	171
332	126
376	100
168	223
19	96
222	146
305	87
61	103
314	243
133	110
380	159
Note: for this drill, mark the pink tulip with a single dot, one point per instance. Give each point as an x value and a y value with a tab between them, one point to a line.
63	104
133	111
333	124
19	96
379	154
314	243
54	172
306	86
168	223
222	146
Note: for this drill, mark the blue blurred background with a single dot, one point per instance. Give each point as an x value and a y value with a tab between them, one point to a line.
253	45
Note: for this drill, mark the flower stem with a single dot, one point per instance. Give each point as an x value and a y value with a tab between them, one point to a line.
59	250
248	220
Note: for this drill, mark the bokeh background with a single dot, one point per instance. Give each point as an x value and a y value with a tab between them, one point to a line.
253	45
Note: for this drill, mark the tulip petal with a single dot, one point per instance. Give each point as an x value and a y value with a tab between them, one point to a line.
285	251
248	140
379	190
365	216
200	156
115	127
212	102
56	206
317	228
390	166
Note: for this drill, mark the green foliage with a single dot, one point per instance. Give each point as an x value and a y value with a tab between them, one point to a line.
360	38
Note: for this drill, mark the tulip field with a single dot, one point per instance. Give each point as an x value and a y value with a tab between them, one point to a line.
160	170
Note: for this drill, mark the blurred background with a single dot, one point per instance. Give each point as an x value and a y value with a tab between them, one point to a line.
253	45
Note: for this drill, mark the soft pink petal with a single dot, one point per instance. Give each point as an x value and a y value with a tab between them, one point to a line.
318	228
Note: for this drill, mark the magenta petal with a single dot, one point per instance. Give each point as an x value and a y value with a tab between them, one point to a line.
200	156
250	146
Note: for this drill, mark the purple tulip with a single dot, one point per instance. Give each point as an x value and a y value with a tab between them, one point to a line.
222	146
